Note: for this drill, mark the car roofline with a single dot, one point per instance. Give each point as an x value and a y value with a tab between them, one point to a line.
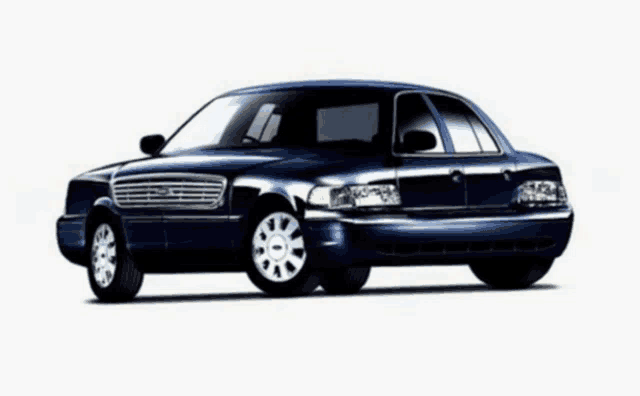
328	84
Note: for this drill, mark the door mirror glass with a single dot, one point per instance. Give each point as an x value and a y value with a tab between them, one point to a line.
418	141
151	143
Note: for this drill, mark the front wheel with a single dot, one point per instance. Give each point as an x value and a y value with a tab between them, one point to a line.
112	273
279	264
516	274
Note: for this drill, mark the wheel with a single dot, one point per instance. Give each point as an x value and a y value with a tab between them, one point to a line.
112	273
517	274
344	280
279	264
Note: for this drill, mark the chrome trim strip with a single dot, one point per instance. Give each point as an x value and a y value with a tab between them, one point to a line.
73	216
312	215
330	243
443	222
142	219
321	215
219	218
157	218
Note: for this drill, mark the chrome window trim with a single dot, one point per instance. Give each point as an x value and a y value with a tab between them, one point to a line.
215	205
425	93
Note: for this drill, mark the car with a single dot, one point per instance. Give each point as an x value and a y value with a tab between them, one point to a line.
312	183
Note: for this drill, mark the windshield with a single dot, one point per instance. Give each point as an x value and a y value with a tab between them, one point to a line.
207	127
331	119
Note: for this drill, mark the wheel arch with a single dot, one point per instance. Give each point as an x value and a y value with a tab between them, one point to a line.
270	202
101	210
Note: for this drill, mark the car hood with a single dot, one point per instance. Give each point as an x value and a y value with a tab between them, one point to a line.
302	163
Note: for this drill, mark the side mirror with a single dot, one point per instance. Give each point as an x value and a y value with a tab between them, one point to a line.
151	143
418	141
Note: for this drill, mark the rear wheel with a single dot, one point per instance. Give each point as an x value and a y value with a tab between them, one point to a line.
512	274
112	274
344	280
279	264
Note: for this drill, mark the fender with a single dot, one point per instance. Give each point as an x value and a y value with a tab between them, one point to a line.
257	186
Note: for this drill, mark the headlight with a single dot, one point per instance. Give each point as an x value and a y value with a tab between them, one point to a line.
540	193
354	196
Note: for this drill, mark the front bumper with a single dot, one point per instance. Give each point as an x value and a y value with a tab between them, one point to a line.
340	240
71	238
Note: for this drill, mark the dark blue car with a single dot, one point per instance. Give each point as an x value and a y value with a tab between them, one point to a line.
313	183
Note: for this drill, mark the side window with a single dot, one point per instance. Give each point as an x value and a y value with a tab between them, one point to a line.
271	129
412	113
484	138
467	133
357	122
264	126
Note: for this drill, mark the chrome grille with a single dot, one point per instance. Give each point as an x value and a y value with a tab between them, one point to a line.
169	190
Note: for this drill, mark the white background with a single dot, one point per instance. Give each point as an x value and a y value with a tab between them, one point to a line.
82	82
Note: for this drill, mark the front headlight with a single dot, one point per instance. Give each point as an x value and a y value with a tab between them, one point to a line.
540	193
354	196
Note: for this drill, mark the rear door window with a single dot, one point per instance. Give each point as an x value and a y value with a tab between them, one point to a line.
468	134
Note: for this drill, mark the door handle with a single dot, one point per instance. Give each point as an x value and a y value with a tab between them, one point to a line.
456	175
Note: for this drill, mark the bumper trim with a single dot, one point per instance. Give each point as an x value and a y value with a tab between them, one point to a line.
311	215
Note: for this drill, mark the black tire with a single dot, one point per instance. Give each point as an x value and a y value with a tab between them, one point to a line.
516	273
344	280
302	282
127	279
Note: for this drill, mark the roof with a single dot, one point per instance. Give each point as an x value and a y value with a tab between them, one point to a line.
323	84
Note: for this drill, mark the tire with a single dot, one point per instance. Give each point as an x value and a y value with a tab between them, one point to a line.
344	280
112	274
517	274
278	263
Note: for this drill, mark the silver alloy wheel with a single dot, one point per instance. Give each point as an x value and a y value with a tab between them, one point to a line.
103	255
278	247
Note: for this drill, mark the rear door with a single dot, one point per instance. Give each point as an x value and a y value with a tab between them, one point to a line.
431	180
486	169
